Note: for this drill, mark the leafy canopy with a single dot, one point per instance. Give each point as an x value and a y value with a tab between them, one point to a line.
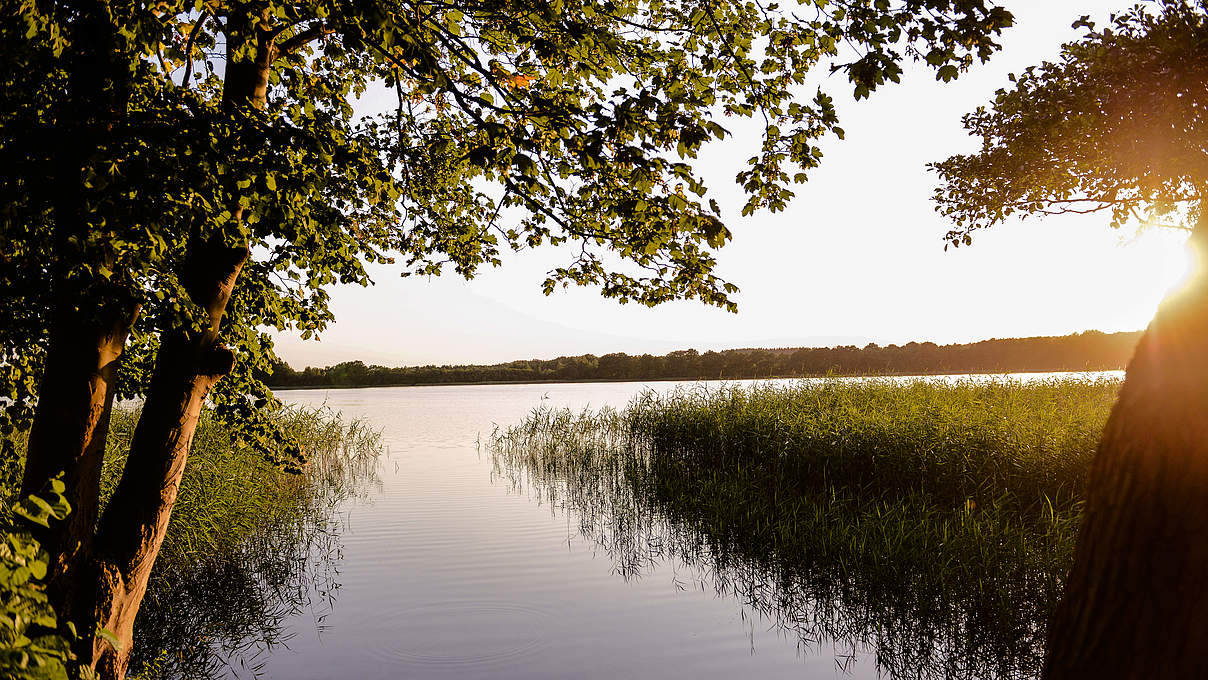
1117	124
515	124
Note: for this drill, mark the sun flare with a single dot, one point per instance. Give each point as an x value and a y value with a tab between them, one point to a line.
1173	267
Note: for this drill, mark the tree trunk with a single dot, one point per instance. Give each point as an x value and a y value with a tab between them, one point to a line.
187	367
1136	599
132	528
90	322
75	399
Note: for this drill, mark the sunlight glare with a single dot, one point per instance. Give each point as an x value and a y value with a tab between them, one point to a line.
1175	267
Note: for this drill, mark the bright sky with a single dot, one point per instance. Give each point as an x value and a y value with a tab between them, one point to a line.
858	257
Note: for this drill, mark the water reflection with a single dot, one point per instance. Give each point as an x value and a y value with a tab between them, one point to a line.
857	576
222	617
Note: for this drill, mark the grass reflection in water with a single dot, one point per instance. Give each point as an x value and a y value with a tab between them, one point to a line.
255	547
926	523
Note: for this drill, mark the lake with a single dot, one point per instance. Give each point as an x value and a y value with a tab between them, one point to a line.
446	570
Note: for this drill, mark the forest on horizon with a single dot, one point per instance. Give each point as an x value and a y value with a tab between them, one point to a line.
1087	351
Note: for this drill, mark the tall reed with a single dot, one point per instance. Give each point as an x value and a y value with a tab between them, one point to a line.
249	545
229	492
929	522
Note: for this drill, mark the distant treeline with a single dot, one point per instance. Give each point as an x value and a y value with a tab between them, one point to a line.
1089	351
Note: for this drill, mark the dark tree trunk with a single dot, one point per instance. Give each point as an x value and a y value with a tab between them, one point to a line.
75	399
90	318
102	566
1136	601
135	521
189	364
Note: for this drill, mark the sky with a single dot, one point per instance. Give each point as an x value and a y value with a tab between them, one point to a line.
858	257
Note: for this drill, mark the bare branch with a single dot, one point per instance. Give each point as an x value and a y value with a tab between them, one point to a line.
201	19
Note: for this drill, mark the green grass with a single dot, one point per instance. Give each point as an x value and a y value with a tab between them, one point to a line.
930	522
249	547
229	492
248	543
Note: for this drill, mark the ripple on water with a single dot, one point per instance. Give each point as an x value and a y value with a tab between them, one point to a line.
433	635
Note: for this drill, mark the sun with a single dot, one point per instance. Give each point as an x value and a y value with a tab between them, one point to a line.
1172	265
1136	275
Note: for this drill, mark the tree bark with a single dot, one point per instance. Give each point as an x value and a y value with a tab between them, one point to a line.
189	364
90	316
135	521
1136	598
75	399
246	82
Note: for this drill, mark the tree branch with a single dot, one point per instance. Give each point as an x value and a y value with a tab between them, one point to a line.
201	19
299	40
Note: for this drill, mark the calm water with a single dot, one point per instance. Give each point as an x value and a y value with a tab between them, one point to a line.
447	572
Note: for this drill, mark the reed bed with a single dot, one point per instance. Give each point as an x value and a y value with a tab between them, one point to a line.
929	522
230	493
972	441
249	545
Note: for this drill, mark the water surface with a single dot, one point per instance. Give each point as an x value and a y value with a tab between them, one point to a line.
445	571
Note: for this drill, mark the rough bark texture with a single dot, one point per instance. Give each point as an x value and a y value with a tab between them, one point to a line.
1136	599
68	435
135	521
188	365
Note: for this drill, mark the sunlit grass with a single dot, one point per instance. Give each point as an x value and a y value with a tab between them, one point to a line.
229	492
249	545
932	522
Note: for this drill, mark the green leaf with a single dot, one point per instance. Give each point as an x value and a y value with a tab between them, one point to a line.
35	510
109	637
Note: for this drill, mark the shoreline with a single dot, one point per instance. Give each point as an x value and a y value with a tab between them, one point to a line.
563	381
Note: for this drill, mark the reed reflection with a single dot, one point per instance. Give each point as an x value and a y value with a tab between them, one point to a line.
935	578
224	615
